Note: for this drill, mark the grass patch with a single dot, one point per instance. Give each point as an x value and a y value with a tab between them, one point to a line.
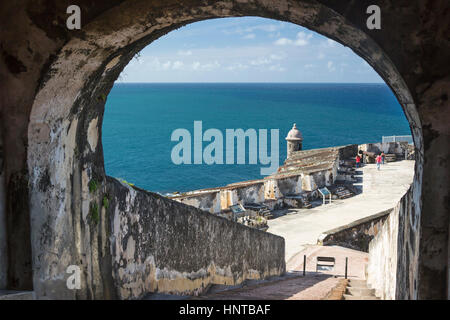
93	186
95	217
105	202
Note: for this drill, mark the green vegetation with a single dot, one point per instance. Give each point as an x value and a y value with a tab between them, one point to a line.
128	183
105	202
92	186
102	97
95	217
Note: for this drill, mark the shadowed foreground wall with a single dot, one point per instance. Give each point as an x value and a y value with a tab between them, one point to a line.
393	253
159	245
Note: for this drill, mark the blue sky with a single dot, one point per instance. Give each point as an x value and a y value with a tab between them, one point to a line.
247	49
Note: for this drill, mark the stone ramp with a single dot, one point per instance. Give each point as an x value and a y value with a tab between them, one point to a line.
357	260
312	286
380	190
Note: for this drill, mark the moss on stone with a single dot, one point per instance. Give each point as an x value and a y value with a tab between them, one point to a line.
93	211
105	202
92	186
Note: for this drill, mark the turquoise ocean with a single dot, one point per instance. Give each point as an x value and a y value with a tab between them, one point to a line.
140	118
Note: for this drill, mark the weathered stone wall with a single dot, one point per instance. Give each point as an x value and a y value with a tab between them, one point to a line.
159	245
3	236
291	185
356	235
261	191
398	148
393	253
208	201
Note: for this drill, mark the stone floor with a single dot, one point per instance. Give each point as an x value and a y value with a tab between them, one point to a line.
381	190
294	286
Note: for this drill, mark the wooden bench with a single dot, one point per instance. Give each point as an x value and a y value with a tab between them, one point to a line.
325	262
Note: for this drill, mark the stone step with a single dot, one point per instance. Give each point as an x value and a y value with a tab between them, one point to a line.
355	291
357	283
351	297
358	286
16	295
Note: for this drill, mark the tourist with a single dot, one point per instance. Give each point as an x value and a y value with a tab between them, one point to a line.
378	160
358	161
383	156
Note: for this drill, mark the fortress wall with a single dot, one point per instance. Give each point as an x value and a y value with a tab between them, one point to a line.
3	235
260	191
291	185
356	235
398	148
159	245
393	253
205	201
253	193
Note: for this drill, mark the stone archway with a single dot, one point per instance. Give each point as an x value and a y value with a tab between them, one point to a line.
65	160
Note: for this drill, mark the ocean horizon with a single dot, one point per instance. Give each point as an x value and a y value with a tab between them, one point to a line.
140	118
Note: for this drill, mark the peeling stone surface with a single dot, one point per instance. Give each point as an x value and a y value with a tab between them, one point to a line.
394	253
159	245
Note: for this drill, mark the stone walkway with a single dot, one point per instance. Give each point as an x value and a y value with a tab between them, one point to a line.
381	190
295	286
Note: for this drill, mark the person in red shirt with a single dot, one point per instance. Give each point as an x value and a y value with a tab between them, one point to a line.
378	160
358	161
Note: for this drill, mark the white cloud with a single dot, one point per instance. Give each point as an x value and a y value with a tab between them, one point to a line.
283	41
196	65
260	61
321	56
166	65
276	67
237	66
277	56
330	44
205	66
249	36
177	65
308	66
184	52
301	40
251	29
330	66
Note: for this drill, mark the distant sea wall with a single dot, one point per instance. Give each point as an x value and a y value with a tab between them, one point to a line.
397	148
300	176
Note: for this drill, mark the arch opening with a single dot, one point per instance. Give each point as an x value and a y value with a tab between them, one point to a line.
66	118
